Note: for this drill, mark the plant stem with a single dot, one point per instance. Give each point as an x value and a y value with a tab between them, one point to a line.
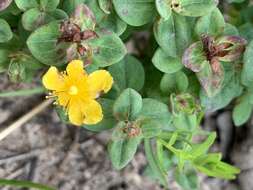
154	165
24	92
28	184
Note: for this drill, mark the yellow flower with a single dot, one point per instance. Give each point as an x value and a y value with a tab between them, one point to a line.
76	91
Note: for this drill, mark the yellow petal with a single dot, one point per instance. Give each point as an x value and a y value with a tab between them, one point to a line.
75	113
88	112
92	113
75	69
63	99
52	80
100	81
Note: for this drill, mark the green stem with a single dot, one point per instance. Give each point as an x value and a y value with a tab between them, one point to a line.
28	184
24	92
153	163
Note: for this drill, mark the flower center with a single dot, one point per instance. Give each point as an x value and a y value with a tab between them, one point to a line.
73	90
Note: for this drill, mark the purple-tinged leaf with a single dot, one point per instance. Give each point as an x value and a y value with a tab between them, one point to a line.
211	77
194	57
4	4
84	17
230	48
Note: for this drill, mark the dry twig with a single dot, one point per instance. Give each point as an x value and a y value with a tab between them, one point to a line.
4	133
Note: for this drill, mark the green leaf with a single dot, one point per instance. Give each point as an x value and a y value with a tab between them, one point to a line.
232	88
174	31
107	49
28	61
49	5
165	63
247	77
34	18
212	24
4	4
242	110
110	20
84	17
150	128
4	59
230	30
58	14
5	31
122	151
157	111
194	57
43	45
211	165
185	122
210	80
70	5
23	67
235	1
202	148
15	44
164	8
193	8
188	180
174	83
246	31
108	121
94	6
105	5
127	105
113	23
25	5
135	12
128	73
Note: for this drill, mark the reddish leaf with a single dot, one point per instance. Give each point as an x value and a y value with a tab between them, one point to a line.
211	77
84	17
194	57
4	4
230	48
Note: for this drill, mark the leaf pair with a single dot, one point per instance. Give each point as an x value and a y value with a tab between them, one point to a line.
173	30
208	163
192	8
51	46
205	59
107	17
39	12
137	119
212	165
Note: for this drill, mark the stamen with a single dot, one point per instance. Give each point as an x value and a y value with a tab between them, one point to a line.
50	96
